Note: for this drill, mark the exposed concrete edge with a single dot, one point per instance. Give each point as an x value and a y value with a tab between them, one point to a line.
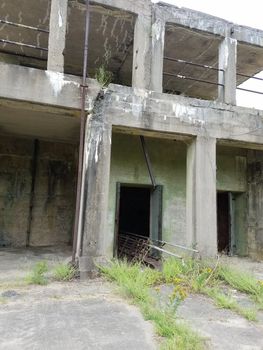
44	87
162	113
200	21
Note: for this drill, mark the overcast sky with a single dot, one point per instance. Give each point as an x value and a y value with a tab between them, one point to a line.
249	13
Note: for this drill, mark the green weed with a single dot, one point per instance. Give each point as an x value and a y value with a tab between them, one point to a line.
37	276
225	301
64	272
103	76
135	282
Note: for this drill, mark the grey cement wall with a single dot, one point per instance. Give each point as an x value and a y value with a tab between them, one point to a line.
255	204
54	196
168	159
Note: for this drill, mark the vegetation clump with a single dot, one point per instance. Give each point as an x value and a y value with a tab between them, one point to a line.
37	276
64	272
182	277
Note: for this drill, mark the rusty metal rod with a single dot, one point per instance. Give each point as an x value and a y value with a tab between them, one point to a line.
22	44
248	90
193	64
19	25
165	251
249	76
148	161
190	78
78	222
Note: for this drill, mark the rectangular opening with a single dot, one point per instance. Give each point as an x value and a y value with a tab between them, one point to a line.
223	222
135	211
138	219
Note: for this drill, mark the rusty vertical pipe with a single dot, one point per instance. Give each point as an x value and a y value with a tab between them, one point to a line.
77	222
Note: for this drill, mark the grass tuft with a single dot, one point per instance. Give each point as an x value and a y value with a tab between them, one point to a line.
135	282
225	301
37	276
64	272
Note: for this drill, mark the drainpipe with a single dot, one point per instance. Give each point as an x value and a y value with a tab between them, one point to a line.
78	214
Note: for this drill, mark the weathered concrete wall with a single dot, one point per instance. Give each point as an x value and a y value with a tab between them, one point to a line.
168	159
54	196
169	165
255	204
54	200
15	187
231	169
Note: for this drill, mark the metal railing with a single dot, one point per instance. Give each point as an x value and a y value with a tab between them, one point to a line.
199	65
249	77
17	43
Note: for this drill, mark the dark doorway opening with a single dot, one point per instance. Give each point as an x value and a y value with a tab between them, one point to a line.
138	219
223	222
135	210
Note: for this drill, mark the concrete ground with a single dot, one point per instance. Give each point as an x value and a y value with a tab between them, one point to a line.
90	315
224	329
73	315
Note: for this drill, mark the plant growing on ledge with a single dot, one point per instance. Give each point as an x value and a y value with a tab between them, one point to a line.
103	76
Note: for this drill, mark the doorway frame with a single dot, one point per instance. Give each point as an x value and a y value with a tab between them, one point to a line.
117	211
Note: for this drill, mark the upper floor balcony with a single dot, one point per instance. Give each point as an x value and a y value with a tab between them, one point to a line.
158	47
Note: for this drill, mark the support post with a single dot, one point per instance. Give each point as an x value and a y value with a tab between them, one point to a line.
57	35
255	204
227	62
97	150
201	196
141	75
158	37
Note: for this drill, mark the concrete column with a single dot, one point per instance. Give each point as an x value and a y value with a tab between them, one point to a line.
96	188
201	196
57	35
158	36
255	204
141	75
227	62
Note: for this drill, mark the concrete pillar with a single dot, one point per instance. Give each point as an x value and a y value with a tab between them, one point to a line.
96	188
158	37
201	196
141	75
227	62
57	35
255	204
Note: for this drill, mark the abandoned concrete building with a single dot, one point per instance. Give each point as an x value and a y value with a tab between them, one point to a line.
162	152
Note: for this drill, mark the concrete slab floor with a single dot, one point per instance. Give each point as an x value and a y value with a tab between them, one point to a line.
17	262
224	329
75	315
72	315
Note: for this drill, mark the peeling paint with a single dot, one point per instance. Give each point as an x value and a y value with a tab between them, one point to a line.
98	140
57	81
158	31
60	21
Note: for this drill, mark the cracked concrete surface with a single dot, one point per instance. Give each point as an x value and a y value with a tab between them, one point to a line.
76	315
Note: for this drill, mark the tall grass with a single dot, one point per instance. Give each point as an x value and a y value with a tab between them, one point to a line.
135	282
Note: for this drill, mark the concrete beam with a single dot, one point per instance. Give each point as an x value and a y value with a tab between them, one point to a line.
207	23
142	53
227	77
57	35
158	37
139	7
201	196
163	113
96	188
44	87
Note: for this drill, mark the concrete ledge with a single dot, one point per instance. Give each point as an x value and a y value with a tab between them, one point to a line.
44	87
208	23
